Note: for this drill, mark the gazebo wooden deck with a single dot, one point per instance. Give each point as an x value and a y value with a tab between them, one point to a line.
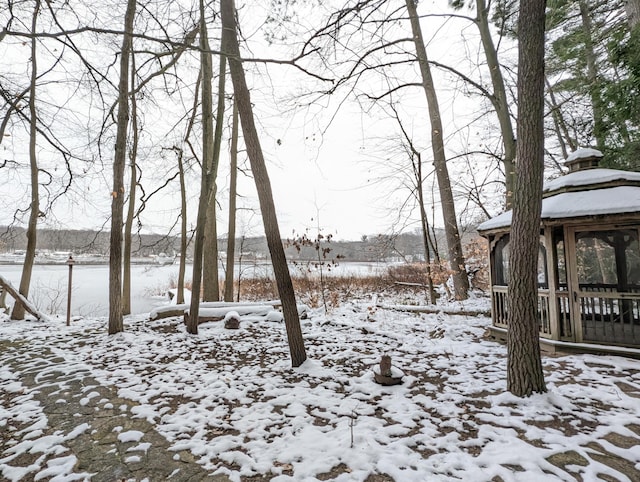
588	263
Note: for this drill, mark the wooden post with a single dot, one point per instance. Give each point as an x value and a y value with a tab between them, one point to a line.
552	279
571	262
70	262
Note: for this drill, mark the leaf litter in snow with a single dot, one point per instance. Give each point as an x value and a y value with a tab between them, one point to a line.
231	398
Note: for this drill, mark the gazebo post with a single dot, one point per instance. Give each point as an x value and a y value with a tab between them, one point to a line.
572	282
552	278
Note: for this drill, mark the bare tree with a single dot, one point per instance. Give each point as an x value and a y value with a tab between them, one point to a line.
263	185
183	231
34	208
498	93
207	163
524	367
231	232
210	281
418	177
118	191
454	244
131	207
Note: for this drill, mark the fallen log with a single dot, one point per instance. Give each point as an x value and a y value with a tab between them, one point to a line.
169	311
434	310
15	294
217	310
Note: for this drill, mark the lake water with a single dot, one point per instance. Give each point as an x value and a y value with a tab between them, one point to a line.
149	283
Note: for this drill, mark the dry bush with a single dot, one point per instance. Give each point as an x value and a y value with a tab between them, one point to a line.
407	280
417	273
308	288
255	289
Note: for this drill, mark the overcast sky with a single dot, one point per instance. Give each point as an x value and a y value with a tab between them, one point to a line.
330	168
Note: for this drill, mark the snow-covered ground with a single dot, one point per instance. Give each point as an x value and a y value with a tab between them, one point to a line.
231	398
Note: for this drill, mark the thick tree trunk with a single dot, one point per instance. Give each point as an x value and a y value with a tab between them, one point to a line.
117	194
34	209
500	99
211	281
524	367
263	186
231	232
633	12
454	244
207	153
128	225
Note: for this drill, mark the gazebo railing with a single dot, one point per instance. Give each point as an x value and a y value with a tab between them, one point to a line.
564	315
608	316
499	309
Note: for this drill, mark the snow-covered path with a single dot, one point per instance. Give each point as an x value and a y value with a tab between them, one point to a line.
231	400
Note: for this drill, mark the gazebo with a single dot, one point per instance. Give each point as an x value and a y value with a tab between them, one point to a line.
588	263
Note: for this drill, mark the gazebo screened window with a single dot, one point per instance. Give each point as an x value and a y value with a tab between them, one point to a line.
500	265
608	260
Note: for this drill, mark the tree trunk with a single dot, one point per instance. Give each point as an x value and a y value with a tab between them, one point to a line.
424	224
562	132
500	99
633	12
183	195
128	225
34	209
117	194
183	231
231	232
211	282
599	129
263	186
454	245
207	153
524	367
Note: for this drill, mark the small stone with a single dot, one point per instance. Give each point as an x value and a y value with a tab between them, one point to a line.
232	320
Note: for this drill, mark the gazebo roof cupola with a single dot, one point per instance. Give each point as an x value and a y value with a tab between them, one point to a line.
583	158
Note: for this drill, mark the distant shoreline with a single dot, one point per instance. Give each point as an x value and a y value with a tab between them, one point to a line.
12	260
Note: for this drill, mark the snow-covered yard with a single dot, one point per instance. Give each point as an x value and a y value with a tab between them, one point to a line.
231	399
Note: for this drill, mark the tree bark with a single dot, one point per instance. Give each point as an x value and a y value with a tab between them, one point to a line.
454	244
128	225
263	186
117	193
633	12
211	281
231	232
34	209
524	366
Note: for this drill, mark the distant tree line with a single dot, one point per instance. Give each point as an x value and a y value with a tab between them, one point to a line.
375	248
